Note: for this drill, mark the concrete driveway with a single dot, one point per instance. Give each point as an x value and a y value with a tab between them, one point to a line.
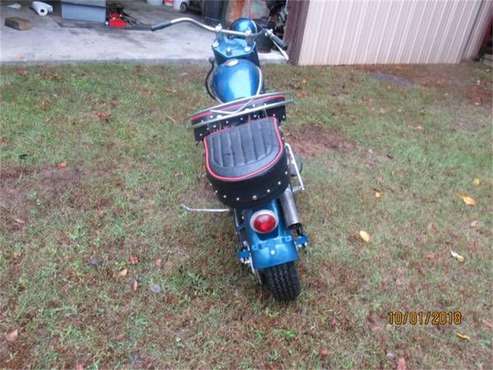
55	40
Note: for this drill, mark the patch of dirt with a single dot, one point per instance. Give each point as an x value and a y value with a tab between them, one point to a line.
17	182
396	80
48	73
9	173
58	179
454	78
313	139
21	358
12	212
479	94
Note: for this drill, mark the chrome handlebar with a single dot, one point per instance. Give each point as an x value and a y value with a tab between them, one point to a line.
217	29
281	46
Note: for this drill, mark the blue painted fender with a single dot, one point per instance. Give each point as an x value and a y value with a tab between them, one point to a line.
271	249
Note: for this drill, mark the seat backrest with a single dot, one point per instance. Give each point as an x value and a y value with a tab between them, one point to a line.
243	110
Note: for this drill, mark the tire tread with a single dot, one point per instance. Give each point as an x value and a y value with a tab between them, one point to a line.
282	281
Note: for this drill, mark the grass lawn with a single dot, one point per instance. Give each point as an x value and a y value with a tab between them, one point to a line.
100	268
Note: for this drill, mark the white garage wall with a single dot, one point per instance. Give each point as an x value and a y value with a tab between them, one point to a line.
393	31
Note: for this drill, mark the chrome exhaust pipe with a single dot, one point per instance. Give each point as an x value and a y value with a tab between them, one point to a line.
289	208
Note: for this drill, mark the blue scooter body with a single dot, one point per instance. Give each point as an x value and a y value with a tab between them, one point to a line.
248	164
238	75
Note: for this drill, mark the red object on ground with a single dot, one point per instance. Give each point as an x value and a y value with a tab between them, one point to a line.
116	20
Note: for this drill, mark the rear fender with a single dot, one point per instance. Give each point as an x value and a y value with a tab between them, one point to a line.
271	249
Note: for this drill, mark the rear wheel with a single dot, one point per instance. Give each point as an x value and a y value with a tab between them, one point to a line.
282	281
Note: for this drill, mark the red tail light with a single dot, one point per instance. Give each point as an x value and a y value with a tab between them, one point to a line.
263	221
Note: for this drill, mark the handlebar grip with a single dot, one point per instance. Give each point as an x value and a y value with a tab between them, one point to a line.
278	41
160	26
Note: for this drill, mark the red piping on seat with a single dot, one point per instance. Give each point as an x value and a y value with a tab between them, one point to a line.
232	106
250	175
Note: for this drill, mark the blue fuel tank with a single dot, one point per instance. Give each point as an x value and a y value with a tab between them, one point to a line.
236	79
244	25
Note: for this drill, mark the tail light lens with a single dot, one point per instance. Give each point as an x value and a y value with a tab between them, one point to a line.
263	221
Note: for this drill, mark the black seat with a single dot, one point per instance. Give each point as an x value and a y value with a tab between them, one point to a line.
247	163
242	151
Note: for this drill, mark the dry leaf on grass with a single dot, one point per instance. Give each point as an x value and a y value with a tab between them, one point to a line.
21	72
457	256
103	116
155	288
468	200
463	336
431	227
364	236
430	256
61	165
474	224
134	285
488	323
401	364
333	323
324	353
12	336
123	273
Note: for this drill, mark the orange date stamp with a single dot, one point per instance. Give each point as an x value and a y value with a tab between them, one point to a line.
425	318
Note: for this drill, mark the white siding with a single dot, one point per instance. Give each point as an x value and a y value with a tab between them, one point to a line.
393	31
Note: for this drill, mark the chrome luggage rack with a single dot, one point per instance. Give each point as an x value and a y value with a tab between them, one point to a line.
242	110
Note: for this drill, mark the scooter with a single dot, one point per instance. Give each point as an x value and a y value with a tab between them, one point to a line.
251	168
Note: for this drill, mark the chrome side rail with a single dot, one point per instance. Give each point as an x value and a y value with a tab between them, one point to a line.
292	159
